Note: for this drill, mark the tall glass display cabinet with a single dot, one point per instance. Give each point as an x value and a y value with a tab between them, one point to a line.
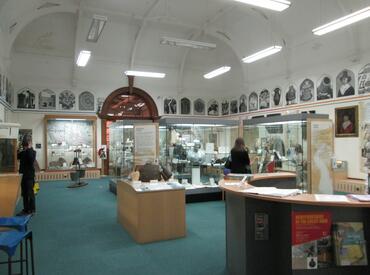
195	149
8	147
120	141
300	143
68	137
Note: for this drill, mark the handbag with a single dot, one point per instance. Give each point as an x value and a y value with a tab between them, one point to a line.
228	163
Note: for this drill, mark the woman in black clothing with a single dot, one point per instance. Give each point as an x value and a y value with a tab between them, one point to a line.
240	162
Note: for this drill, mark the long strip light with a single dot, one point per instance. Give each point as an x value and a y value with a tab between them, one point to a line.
83	58
261	54
187	43
276	5
343	21
145	74
217	72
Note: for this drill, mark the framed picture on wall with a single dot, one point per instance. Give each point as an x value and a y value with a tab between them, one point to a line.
346	121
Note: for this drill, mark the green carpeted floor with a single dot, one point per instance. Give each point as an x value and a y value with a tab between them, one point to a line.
76	232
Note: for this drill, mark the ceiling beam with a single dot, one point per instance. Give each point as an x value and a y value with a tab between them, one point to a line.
140	31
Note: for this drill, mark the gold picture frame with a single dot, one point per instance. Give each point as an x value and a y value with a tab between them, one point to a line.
346	121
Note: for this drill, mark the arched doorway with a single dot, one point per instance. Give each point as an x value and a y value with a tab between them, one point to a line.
119	112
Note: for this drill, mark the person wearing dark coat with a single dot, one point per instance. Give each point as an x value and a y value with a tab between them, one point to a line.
240	163
27	159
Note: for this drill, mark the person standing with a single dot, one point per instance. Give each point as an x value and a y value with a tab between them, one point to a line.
240	163
27	159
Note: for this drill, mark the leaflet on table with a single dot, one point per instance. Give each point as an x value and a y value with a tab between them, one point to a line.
331	198
363	198
272	191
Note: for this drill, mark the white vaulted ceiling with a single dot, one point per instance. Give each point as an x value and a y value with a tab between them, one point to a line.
134	28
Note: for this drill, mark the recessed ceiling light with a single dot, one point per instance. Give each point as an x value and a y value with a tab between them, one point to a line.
83	58
97	25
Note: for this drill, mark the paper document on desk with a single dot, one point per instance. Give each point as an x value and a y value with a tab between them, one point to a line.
231	183
272	191
360	197
331	198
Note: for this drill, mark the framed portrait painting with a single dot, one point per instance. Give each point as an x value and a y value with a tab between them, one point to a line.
346	121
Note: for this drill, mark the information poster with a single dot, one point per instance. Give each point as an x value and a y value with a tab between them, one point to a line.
146	143
311	240
321	153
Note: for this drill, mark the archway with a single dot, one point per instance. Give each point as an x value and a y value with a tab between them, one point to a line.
121	109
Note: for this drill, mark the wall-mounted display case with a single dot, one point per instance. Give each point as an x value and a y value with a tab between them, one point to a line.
195	149
8	147
65	135
301	143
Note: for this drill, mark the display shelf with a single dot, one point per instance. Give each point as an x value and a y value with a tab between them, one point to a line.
191	143
66	134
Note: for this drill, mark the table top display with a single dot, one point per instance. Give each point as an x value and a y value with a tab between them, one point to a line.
152	211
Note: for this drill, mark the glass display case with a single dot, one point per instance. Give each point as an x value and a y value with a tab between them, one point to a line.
283	143
8	147
68	137
120	145
195	149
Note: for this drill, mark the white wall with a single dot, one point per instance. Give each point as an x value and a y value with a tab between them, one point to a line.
347	149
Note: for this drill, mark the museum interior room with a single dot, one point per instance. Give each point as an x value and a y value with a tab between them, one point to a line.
185	137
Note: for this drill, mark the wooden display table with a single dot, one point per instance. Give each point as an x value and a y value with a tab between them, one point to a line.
10	188
273	255
151	215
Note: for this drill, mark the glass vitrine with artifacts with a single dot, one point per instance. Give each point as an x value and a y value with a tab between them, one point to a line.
195	149
121	146
65	135
8	147
300	143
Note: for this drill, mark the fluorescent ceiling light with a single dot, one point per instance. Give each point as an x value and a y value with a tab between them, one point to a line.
97	25
83	58
217	72
262	54
145	74
276	5
343	21
187	43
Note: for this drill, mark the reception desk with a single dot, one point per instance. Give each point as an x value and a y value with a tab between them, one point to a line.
272	254
10	190
153	213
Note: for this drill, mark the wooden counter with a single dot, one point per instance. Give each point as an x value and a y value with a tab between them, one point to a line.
150	216
273	255
10	190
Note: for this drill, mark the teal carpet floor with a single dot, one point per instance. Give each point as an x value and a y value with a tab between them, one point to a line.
76	232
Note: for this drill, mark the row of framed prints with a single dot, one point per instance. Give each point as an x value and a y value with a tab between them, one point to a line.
306	92
50	100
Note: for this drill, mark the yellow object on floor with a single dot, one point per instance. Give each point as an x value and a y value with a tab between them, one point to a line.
36	187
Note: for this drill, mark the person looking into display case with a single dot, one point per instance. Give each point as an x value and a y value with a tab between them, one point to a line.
240	163
27	158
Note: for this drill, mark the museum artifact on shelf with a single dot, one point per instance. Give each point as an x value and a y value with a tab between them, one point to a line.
194	150
64	135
